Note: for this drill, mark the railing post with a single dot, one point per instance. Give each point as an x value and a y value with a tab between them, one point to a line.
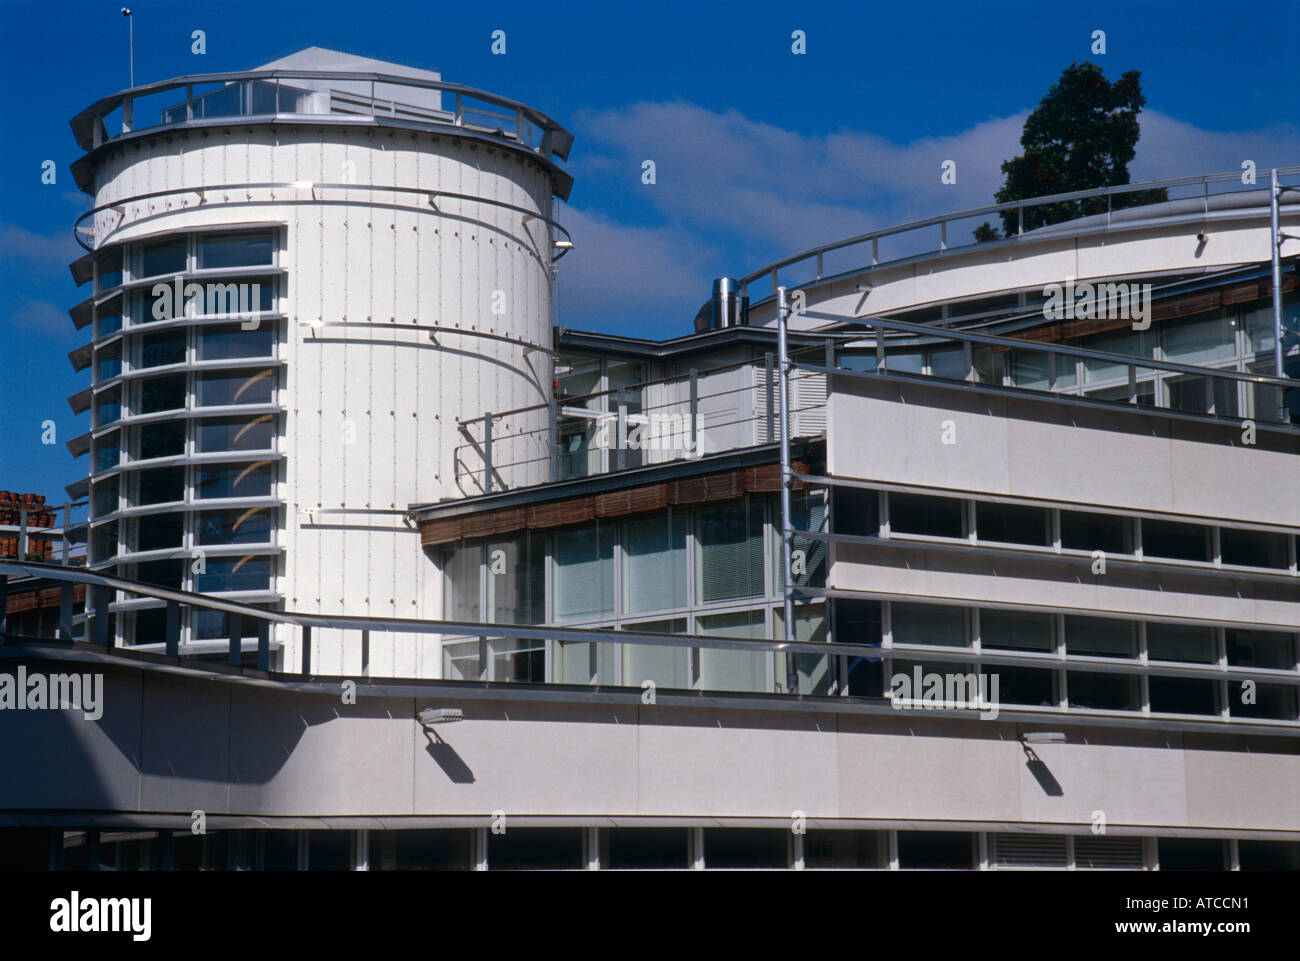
236	624
830	353
943	235
487	453
1132	384
173	629
880	347
819	265
771	397
365	653
305	668
1051	371
1020	211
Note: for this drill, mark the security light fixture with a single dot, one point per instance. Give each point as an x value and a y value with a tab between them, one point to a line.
439	715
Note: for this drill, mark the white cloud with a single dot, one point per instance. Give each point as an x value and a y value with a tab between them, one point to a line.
43	253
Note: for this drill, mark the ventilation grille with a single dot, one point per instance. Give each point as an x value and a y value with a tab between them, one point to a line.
1030	850
1094	851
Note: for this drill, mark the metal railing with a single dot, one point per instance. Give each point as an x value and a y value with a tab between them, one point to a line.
1202	202
309	93
729	407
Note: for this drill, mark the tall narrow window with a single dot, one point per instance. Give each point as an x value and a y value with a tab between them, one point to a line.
729	562
584	573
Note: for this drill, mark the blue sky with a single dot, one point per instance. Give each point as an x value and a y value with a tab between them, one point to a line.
759	152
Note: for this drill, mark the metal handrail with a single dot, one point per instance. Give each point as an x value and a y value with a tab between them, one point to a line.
942	220
556	140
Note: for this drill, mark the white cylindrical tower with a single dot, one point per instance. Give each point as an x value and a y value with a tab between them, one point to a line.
305	277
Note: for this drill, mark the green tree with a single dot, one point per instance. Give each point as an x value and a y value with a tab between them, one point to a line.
1082	135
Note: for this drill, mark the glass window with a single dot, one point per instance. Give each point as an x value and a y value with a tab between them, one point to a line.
108	451
160	393
1023	685
163	257
461	569
1253	548
518	660
573	664
1181	695
159	486
936	850
1195	395
236	387
928	624
1100	637
157	532
858	622
108	406
1268	649
907	361
108	362
808	554
249	573
110	271
1272	701
948	362
855	511
1191	854
108	319
1103	692
214	434
231	341
666	666
1029	368
1096	532
1017	630
988	363
929	516
733	670
235	250
103	542
813	671
1181	642
1199	340
159	348
252	526
105	495
166	439
255	295
1013	524
168	573
1134	343
654	563
516	580
1187	542
729	559
583	577
233	480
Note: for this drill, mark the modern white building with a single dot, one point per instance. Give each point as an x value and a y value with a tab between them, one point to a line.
1044	515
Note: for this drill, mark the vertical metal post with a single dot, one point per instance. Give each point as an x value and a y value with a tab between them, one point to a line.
783	401
555	439
365	653
830	353
621	431
487	453
131	43
67	522
1275	241
22	533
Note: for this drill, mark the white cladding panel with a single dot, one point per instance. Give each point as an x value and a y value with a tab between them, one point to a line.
371	400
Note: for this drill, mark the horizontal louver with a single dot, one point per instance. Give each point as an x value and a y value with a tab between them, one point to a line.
1093	851
1030	850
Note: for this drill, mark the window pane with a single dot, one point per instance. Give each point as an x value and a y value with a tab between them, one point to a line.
813	671
935	850
237	387
234	574
855	511
1102	692
461	567
160	440
108	451
1021	685
1253	548
234	250
167	573
1182	695
1271	701
858	622
729	564
231	341
732	670
654	563
233	480
516	580
584	573
158	531
573	663
110	271
666	666
949	363
1017	630
164	257
929	516
1012	524
160	485
235	433
1134	343
926	624
1200	340
105	496
254	295
1096	532
161	393
1268	649
1100	637
160	348
251	526
517	660
108	406
808	554
1188	542
1180	642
